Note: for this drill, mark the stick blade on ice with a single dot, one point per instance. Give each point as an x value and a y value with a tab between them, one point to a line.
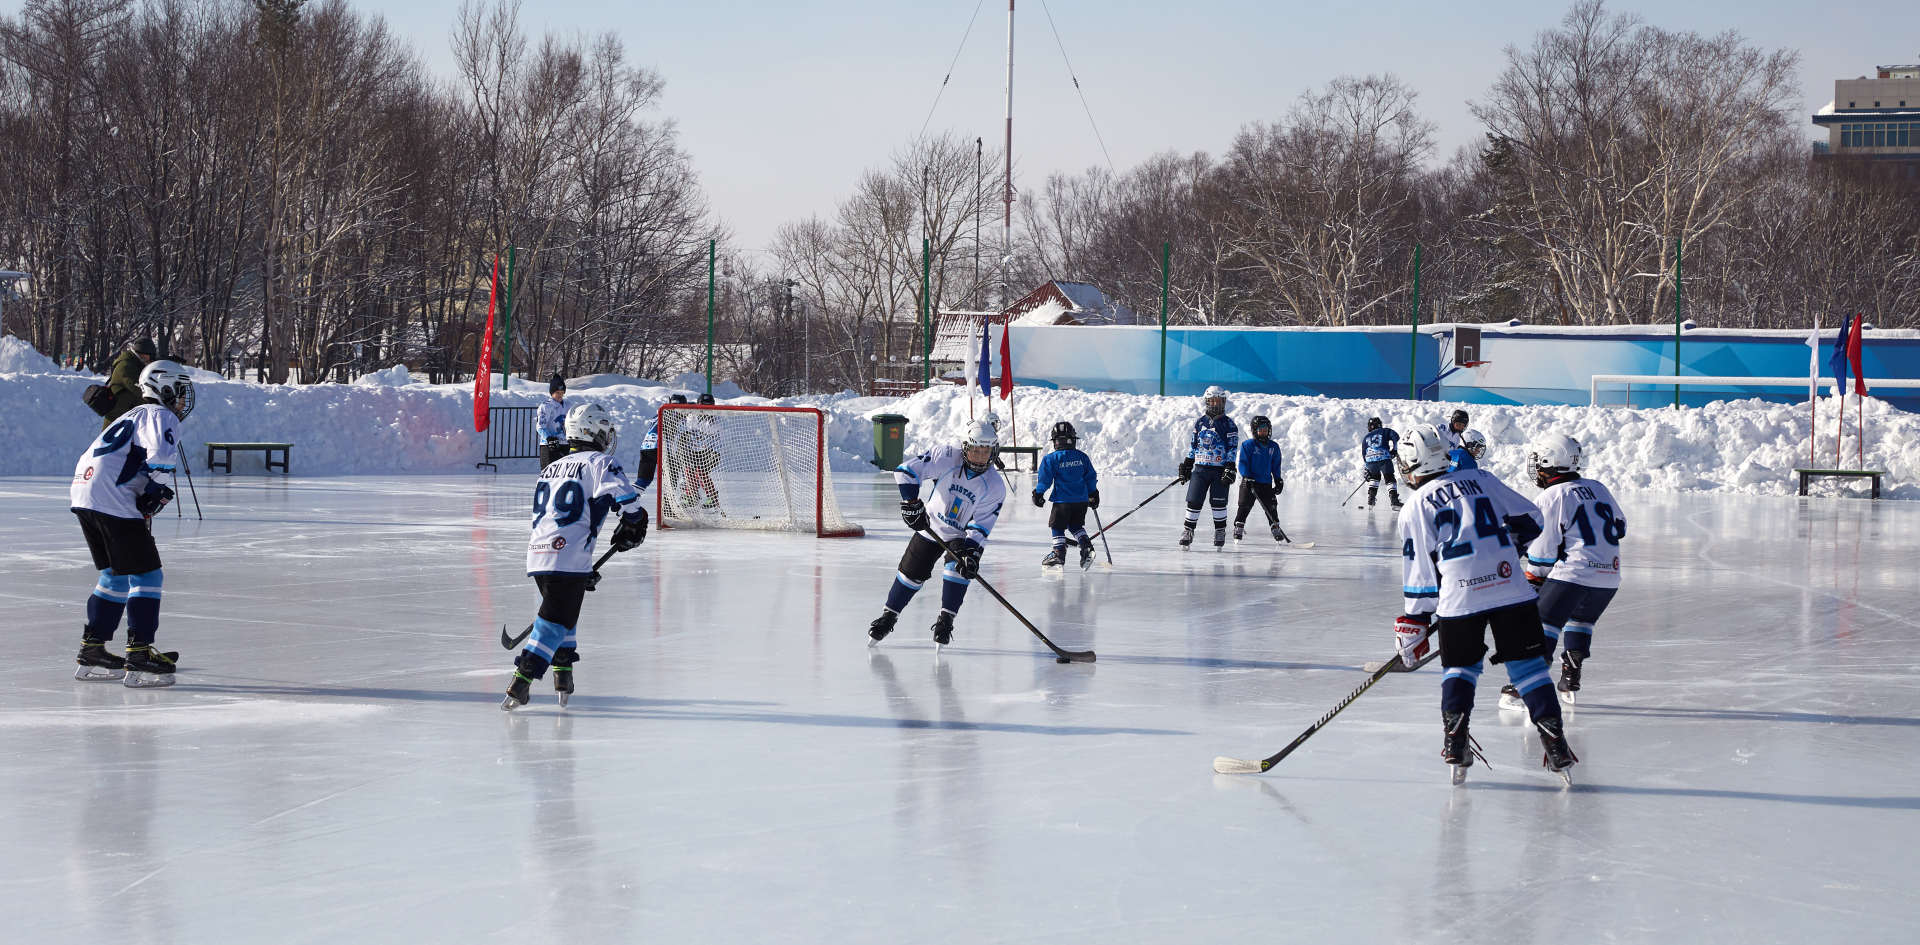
1225	765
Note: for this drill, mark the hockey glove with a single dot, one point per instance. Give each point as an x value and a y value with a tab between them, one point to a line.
1186	469
1039	501
1536	579
155	498
1412	633
1226	475
966	557
914	513
632	530
1279	486
1093	499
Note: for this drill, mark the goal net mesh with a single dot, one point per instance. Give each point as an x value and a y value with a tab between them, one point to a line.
755	468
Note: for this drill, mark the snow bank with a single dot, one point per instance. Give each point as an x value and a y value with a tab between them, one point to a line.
392	425
18	357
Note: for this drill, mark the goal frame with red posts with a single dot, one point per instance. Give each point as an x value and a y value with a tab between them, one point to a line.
821	479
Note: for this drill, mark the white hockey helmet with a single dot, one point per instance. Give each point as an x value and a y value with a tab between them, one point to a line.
167	384
1422	453
1213	393
980	433
590	423
1474	443
1554	453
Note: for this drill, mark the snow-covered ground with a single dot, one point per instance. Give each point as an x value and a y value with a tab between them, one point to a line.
385	424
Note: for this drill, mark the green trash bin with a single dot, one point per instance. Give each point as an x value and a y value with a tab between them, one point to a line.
889	440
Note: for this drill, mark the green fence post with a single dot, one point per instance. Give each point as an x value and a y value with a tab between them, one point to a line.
506	327
926	313
1166	268
711	244
1676	317
1413	338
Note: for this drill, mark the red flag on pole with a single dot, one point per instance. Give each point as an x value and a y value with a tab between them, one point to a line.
1006	360
1859	385
484	375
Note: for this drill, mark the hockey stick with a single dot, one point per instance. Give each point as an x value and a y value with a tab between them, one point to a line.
1065	656
1355	492
510	642
187	464
1103	537
1225	765
1142	505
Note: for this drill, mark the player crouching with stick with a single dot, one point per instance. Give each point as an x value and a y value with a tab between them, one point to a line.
1459	532
968	492
572	497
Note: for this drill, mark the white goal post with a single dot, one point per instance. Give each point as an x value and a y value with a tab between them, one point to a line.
758	468
1698	380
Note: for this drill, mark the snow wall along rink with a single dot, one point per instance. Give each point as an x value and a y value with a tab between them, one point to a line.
739	766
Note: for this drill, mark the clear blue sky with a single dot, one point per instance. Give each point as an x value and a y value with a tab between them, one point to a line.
782	105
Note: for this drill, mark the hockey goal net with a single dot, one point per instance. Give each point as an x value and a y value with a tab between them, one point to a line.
760	468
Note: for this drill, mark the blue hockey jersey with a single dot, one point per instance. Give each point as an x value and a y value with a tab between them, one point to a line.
1378	445
1069	473
1260	461
1214	441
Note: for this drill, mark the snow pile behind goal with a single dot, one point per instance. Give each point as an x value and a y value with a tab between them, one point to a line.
1739	447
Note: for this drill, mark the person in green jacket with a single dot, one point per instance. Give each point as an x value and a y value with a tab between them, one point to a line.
124	379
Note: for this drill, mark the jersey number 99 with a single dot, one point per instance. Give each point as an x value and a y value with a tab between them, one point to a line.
569	502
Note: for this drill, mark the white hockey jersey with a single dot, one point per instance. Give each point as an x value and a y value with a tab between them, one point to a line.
1459	558
551	420
570	502
1580	540
141	446
965	504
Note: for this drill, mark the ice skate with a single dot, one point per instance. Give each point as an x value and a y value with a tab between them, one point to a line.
1186	535
1239	530
1373	493
1053	560
1510	699
882	625
1559	755
1458	748
943	629
98	664
1394	497
148	668
563	660
1569	676
1086	553
518	692
1278	535
1220	535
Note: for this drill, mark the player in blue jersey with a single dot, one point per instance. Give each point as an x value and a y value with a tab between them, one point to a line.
123	479
1467	454
968	493
1262	478
550	421
571	500
1069	474
1376	455
1461	532
1208	469
650	448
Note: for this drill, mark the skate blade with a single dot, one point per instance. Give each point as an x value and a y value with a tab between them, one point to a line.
99	674
1567	698
1459	774
135	680
563	699
1512	703
1565	775
509	704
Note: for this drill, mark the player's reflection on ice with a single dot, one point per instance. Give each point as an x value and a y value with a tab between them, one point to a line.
559	841
115	827
938	756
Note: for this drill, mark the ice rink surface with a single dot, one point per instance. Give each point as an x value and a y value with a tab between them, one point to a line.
739	766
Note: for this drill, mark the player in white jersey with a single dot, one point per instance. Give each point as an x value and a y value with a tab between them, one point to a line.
967	493
571	500
650	448
120	482
697	441
1575	562
1461	532
1454	430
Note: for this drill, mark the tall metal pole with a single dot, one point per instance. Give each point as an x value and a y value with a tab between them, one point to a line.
1166	266
1413	339
711	252
1676	317
979	182
1006	235
926	313
506	327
